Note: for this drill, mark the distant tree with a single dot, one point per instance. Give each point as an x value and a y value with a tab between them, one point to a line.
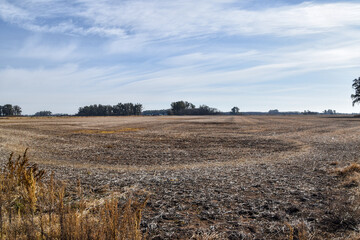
274	112
129	109
138	109
235	111
43	113
179	107
17	110
1	112
206	110
308	112
329	112
8	110
356	97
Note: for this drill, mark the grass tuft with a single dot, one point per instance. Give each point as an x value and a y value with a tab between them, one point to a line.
32	208
352	168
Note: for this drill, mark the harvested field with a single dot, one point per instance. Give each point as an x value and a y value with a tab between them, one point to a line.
232	177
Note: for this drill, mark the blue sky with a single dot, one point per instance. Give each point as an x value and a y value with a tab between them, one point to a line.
258	55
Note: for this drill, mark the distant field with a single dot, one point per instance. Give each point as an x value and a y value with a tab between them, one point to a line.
229	176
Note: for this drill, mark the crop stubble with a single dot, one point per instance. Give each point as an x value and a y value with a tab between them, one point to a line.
235	176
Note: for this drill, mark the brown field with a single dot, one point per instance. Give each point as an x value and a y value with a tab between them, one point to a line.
218	177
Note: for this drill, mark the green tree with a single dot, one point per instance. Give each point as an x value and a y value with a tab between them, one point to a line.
356	97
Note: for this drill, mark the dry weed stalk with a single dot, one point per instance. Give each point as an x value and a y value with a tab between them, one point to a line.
32	208
298	232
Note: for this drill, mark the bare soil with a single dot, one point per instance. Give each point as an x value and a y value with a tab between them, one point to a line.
235	177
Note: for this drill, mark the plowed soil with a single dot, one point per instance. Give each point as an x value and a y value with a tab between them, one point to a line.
230	177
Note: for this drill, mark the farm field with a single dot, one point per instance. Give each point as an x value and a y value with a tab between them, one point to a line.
227	177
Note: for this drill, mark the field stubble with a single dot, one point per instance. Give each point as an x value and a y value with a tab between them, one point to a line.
241	177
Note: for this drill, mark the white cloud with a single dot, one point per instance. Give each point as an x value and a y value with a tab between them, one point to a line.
179	19
214	58
202	71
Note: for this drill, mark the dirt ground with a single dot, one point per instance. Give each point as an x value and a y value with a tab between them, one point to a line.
229	177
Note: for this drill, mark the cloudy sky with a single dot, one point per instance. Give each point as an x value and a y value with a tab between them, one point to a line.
258	55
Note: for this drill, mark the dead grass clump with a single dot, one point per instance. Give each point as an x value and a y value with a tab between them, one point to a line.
352	180
351	175
353	168
344	212
32	208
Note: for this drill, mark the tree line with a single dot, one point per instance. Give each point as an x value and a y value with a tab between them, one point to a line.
121	109
177	108
10	110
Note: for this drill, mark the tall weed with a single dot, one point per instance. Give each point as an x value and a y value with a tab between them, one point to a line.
34	208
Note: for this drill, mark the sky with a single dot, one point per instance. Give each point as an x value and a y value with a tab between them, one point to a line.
59	55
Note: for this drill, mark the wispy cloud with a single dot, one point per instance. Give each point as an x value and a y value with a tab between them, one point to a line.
12	13
178	19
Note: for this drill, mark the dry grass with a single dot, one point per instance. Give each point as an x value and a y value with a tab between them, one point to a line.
32	208
351	175
346	171
298	231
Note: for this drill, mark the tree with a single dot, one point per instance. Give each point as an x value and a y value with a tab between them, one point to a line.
308	112
179	107
329	112
235	111
138	109
356	97
17	110
43	113
273	112
206	110
7	110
